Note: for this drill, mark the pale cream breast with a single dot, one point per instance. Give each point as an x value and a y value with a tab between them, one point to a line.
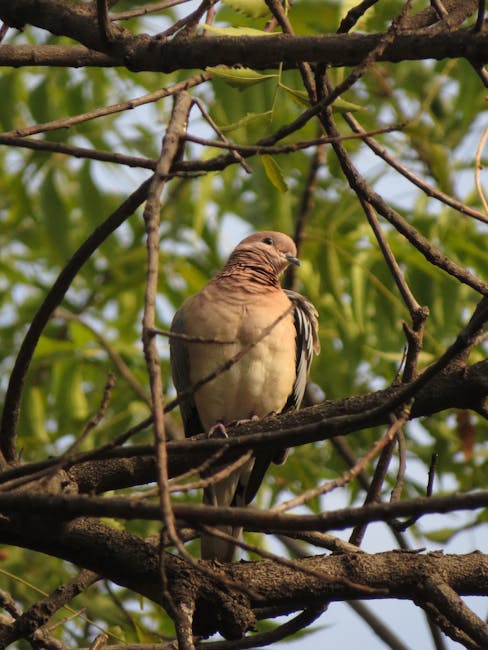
261	381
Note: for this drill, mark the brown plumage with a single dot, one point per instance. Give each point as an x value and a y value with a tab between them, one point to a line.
236	306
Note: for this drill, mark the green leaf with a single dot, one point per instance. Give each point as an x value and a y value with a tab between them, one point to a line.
274	173
251	8
300	97
240	77
71	398
441	536
8	87
249	118
236	31
358	283
35	413
55	217
342	106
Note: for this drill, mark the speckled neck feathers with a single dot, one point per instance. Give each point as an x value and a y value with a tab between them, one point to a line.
251	269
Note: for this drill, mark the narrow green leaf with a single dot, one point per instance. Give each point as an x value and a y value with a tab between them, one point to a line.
342	106
248	118
8	91
358	285
300	97
240	77
236	31
441	536
70	394
274	173
55	217
35	412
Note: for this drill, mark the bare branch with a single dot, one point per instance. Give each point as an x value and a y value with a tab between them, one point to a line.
68	507
130	104
169	151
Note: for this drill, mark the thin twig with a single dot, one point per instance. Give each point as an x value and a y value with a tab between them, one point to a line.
78	152
120	107
354	14
402	465
322	540
99	641
187	24
342	480
170	148
428	189
440	9
3	31
146	9
104	23
393	266
249	149
191	339
304	209
402	526
216	477
480	18
432	470
418	314
217	130
40	612
419	241
415	337
280	14
203	467
380	473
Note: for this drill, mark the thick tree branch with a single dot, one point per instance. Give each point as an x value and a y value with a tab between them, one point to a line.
114	468
61	507
133	563
143	52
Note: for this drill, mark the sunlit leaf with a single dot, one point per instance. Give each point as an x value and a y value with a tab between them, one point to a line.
240	77
249	118
274	173
236	31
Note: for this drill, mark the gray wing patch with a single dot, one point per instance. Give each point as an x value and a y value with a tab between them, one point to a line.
180	369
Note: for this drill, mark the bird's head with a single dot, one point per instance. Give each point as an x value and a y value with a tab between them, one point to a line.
267	249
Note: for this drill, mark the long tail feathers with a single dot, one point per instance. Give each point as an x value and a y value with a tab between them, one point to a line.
228	492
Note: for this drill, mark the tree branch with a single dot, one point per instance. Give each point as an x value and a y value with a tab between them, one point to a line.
117	467
133	563
143	52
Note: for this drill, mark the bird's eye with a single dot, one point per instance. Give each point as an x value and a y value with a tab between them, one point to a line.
268	240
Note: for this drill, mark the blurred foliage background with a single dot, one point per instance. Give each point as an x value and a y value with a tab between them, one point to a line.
50	203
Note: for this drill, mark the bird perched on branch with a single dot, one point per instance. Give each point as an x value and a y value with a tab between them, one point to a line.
266	336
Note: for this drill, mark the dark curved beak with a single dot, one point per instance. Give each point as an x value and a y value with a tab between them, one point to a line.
292	260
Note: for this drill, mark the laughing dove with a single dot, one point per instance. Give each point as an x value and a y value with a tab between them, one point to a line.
243	308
